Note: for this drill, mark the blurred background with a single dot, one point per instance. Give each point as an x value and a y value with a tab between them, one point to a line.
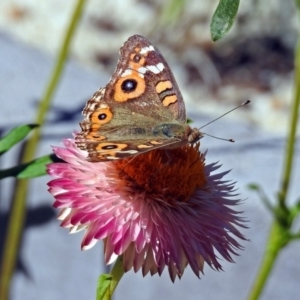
254	61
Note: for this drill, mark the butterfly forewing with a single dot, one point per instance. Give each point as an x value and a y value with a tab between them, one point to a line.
139	110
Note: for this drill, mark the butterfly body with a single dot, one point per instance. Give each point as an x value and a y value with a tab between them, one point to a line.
140	109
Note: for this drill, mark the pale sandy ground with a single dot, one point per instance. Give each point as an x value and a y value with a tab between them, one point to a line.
51	265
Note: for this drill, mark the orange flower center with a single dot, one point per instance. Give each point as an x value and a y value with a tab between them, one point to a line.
168	175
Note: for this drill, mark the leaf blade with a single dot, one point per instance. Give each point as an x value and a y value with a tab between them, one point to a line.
32	169
103	285
15	136
223	18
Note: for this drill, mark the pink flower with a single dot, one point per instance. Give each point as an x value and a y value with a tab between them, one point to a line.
160	209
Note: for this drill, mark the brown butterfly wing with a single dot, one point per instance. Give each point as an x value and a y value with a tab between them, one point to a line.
144	82
142	96
106	135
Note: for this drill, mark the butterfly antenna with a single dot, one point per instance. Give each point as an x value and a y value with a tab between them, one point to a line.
218	138
230	140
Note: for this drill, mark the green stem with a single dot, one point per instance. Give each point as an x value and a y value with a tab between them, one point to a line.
13	235
276	241
291	141
279	235
18	211
117	272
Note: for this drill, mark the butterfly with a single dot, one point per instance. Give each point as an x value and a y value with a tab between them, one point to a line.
140	109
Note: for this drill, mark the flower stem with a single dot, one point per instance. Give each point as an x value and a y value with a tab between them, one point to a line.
290	146
18	211
116	273
276	241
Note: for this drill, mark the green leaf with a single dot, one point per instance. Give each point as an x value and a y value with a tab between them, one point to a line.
223	18
103	285
295	211
32	169
253	186
14	136
258	189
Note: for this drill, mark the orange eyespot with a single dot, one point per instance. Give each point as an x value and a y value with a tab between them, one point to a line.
110	146
95	137
137	58
129	87
101	116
